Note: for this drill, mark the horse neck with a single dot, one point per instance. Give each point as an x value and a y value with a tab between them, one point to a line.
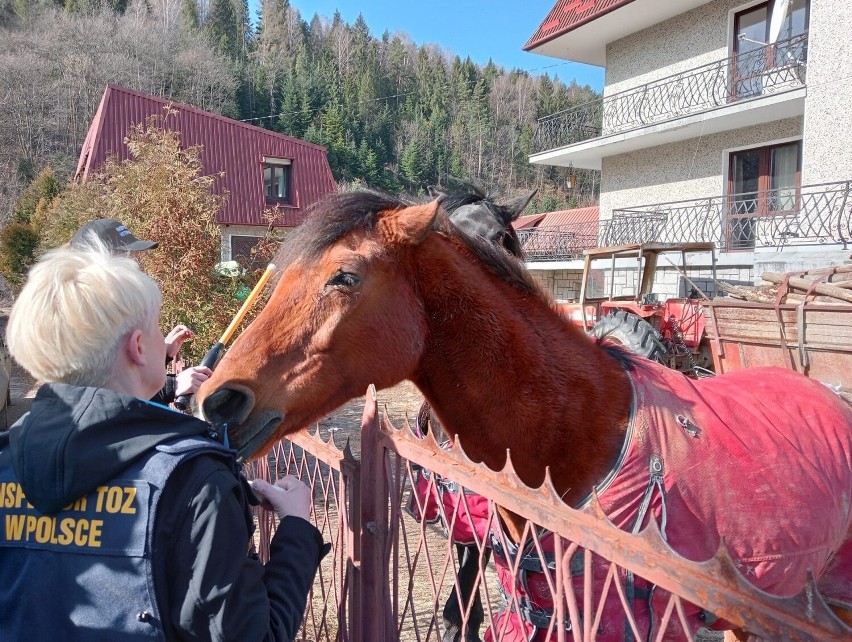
503	370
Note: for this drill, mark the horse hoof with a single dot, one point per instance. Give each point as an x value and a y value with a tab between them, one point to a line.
452	633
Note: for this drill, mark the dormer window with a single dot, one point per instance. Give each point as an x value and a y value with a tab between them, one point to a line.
276	180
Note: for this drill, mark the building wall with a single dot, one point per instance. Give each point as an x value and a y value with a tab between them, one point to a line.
703	36
563	285
687	41
690	169
827	155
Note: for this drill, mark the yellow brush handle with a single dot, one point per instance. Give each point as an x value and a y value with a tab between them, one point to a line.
226	336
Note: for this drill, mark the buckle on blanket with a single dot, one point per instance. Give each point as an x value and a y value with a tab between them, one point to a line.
537	616
531	562
691	429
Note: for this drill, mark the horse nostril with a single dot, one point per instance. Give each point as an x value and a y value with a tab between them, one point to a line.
227	406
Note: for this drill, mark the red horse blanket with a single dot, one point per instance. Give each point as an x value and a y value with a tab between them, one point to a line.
465	513
761	457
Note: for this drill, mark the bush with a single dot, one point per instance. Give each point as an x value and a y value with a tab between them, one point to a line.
18	243
161	194
43	189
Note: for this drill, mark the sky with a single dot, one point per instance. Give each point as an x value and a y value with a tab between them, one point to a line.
476	28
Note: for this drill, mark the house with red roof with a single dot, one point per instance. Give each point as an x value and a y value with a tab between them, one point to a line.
260	169
553	244
720	120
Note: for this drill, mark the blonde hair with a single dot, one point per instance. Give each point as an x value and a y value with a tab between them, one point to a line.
74	310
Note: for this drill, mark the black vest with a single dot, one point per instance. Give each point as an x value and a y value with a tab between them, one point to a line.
84	573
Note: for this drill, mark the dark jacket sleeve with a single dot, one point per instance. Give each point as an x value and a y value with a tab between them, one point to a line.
211	587
167	394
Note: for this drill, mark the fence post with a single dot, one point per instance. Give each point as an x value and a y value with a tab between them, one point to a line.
377	619
352	606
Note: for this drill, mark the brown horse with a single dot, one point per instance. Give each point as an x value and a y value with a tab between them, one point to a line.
372	290
474	212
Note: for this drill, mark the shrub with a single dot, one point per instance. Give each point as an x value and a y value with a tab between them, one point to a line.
18	243
43	189
162	194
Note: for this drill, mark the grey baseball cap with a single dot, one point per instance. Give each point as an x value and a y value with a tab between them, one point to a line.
113	234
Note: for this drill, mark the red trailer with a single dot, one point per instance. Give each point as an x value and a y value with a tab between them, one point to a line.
812	338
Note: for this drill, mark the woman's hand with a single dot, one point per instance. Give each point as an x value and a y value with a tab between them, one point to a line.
175	339
189	380
288	496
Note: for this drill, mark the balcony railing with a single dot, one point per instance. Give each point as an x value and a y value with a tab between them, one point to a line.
806	216
770	69
558	243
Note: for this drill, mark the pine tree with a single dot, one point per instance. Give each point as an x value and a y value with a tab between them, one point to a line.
225	28
370	101
410	165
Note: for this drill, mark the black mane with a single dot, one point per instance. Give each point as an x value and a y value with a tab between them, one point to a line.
467	194
331	218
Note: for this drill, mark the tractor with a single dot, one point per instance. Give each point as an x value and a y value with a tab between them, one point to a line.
668	330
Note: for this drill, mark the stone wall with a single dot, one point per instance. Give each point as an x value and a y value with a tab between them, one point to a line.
564	285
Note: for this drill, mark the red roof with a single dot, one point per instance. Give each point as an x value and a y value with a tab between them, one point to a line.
570	14
573	217
561	235
229	146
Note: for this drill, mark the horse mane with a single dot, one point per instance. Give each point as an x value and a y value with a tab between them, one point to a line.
467	194
332	218
495	258
623	355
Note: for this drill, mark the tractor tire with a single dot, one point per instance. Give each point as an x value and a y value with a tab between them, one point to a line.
633	332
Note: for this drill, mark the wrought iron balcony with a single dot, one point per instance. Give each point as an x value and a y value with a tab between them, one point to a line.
770	69
808	215
558	243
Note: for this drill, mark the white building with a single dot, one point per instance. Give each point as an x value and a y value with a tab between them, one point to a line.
721	120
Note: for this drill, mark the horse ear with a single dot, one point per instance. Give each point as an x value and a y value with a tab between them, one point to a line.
413	223
435	192
518	205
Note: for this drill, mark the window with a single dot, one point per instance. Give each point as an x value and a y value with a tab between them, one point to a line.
762	182
276	180
767	36
241	251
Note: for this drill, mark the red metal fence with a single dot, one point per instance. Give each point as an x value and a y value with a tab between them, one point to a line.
388	575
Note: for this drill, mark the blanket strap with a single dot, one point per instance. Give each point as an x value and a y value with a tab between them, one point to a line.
537	615
655	482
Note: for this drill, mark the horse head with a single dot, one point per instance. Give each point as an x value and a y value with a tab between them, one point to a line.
339	290
373	290
472	210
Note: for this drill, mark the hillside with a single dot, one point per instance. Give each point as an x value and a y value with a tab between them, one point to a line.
393	115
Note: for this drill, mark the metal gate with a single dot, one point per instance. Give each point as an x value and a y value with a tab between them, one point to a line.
389	575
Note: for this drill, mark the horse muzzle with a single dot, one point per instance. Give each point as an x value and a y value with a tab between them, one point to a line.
229	411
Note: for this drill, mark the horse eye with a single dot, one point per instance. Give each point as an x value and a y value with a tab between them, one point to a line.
344	279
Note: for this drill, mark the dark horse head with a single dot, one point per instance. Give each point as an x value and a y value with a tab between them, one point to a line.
475	213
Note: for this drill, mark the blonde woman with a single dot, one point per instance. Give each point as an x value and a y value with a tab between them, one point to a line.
123	518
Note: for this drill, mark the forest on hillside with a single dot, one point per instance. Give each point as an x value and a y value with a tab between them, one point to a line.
393	115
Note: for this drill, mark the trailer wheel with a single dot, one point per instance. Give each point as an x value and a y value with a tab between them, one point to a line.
633	332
